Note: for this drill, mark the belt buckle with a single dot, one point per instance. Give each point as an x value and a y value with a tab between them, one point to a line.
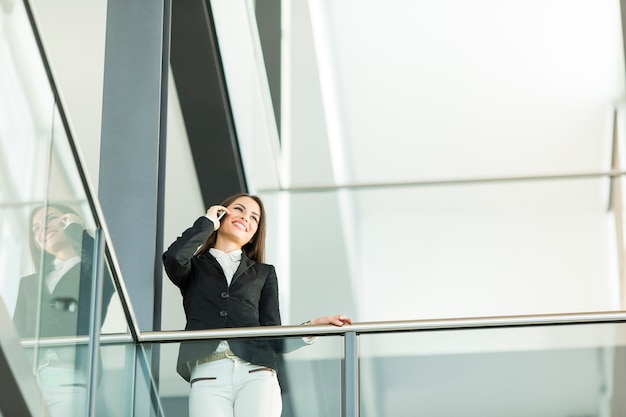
218	355
215	356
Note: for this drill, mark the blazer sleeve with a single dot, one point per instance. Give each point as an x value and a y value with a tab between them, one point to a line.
177	258
269	309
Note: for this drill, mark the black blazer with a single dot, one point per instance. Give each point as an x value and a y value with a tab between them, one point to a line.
251	300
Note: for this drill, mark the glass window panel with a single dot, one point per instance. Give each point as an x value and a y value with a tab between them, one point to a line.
248	90
458	250
450	89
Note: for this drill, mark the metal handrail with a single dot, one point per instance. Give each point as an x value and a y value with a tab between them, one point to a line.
448	181
105	339
171	336
387	326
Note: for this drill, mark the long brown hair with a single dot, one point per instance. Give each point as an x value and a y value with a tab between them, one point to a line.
255	249
42	260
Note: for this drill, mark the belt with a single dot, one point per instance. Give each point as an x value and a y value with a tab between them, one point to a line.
216	356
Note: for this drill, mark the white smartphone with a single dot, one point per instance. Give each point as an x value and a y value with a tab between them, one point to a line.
221	214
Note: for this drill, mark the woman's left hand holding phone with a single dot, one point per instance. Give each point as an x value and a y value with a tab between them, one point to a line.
215	214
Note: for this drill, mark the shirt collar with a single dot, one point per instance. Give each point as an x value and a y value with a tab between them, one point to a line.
234	256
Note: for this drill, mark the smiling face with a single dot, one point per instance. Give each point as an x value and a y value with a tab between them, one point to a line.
241	222
48	230
244	227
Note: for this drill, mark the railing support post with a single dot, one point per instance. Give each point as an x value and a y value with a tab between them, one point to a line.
96	319
350	385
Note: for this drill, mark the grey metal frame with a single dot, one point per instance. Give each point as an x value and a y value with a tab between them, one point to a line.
447	181
134	109
94	330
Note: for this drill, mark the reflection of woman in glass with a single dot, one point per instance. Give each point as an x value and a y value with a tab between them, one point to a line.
56	301
218	266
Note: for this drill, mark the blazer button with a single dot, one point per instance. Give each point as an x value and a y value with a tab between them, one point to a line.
223	313
224	294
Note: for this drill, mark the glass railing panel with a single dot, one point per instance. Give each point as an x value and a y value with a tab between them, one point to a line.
62	368
313	378
173	389
71	287
248	91
65	185
115	383
309	374
55	280
541	371
126	385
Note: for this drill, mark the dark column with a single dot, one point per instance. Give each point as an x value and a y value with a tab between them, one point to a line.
133	146
203	96
269	21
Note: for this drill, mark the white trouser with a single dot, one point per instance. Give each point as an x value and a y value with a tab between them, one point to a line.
232	387
65	391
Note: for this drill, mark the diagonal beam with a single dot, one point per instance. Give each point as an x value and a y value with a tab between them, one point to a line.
201	86
616	206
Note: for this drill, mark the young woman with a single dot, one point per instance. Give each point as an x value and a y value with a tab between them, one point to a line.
218	264
56	301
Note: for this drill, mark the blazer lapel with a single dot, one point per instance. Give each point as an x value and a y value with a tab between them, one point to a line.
245	264
216	264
